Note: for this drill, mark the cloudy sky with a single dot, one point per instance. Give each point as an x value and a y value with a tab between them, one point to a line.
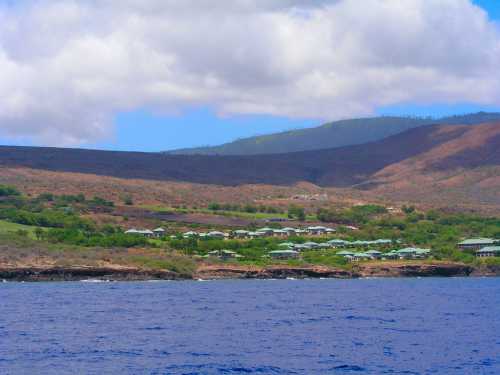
162	74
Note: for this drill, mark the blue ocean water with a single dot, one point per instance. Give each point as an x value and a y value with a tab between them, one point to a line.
367	326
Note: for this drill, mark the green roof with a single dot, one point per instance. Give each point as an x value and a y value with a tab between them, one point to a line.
477	241
490	249
345	252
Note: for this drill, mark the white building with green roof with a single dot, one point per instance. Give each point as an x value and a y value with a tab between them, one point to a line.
488	252
476	243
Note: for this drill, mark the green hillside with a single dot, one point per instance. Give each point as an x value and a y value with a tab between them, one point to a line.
331	135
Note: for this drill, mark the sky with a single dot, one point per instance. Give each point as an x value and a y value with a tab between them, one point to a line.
151	75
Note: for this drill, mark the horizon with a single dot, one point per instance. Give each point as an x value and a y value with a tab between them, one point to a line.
90	148
125	99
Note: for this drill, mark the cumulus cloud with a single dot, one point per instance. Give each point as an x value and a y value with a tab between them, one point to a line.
67	67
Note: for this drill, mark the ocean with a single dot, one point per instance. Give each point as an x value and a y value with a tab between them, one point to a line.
365	326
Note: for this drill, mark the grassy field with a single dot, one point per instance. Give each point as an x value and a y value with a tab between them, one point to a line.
239	214
7	227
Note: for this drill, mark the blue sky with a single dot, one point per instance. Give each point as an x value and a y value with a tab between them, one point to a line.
201	126
138	128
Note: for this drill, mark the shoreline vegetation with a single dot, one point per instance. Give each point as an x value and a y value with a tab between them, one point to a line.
52	237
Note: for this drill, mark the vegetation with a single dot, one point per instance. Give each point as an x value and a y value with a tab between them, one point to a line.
7	191
355	215
56	222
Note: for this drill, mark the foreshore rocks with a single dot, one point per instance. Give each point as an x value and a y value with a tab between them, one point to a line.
274	272
229	271
415	270
84	273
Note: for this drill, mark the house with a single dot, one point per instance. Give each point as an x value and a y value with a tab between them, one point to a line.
266	231
256	234
287	245
132	231
216	235
240	233
284	254
383	242
324	245
189	234
361	256
317	230
159	232
475	243
224	254
310	245
337	243
141	232
301	247
488	251
345	254
290	231
298	232
279	233
374	254
413	253
390	255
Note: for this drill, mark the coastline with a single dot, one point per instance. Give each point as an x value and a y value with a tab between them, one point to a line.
218	272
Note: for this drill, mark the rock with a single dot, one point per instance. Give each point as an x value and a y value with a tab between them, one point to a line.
413	269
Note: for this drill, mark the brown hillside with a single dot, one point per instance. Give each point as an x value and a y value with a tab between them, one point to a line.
438	147
427	164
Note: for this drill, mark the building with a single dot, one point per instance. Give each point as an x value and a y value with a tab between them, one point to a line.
290	231
280	233
361	256
240	233
311	245
488	252
338	243
476	243
140	232
266	231
224	254
159	232
287	245
284	254
319	230
349	255
413	253
216	234
375	254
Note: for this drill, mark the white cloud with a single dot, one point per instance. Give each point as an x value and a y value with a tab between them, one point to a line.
66	67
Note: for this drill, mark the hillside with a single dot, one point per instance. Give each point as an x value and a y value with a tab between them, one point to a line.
334	134
429	163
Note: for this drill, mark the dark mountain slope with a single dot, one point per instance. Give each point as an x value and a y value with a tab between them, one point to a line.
331	135
430	148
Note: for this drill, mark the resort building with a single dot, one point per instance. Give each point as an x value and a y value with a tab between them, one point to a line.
413	253
240	233
374	254
266	231
141	232
476	243
224	254
217	235
159	232
488	251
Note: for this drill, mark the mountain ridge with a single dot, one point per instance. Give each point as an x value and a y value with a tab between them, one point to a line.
331	135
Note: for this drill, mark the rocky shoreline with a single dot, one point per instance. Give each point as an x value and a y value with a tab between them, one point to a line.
216	272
